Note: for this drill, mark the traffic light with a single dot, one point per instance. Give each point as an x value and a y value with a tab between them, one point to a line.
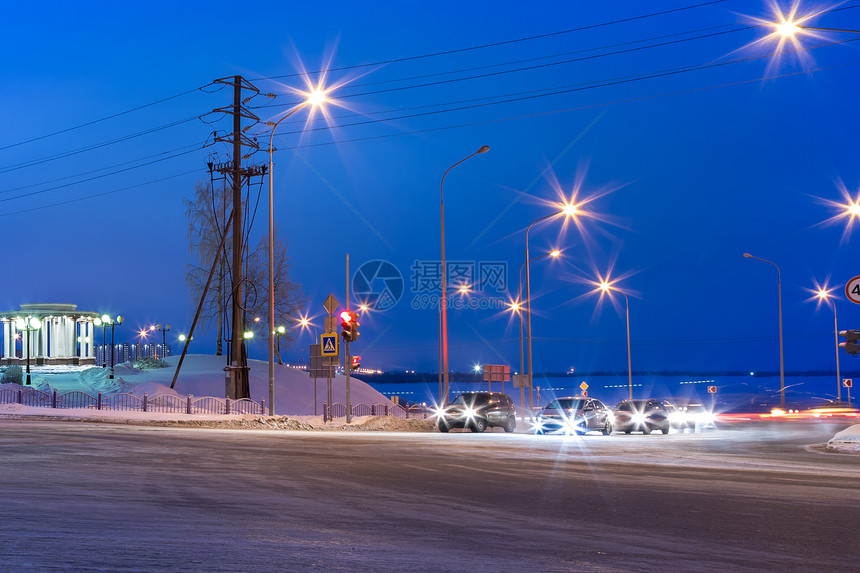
356	362
851	344
349	325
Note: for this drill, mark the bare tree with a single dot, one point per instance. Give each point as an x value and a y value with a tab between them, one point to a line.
288	296
206	215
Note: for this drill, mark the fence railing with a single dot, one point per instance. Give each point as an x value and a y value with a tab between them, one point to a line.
129	402
186	404
338	410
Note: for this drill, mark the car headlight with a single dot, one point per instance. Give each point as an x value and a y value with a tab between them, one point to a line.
705	419
676	417
470	412
639	418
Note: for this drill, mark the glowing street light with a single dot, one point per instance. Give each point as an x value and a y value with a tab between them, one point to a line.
28	325
824	296
163	329
779	299
606	287
443	306
107	320
517	307
567	210
316	97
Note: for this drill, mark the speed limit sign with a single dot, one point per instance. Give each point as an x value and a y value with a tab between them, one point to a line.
852	290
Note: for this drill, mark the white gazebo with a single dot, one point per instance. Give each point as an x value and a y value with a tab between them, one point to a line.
66	335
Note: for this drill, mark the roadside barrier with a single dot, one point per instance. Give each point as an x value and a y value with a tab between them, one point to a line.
129	402
185	404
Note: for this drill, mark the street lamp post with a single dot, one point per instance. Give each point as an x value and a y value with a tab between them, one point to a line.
825	295
779	299
107	319
606	287
443	306
553	253
28	325
163	329
314	98
278	332
99	321
569	210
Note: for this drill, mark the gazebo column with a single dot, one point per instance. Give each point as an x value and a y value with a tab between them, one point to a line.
43	339
6	337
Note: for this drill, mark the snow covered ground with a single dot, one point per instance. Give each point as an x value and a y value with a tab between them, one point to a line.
848	440
203	375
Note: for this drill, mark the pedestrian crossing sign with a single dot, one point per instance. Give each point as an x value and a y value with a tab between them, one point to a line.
329	344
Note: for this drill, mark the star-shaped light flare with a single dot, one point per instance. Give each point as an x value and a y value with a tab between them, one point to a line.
786	30
847	210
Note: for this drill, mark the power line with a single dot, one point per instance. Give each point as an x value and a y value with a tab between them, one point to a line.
496	44
93	122
80	150
489	66
9	214
579	108
39	192
526	68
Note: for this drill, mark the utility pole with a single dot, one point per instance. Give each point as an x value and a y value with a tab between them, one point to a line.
237	371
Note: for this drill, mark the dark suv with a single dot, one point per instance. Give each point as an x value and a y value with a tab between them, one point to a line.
641	415
477	411
577	414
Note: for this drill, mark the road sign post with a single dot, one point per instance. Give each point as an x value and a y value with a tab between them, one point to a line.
330	306
712	390
496	373
847	383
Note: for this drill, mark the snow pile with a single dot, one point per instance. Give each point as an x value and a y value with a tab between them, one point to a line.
847	440
202	375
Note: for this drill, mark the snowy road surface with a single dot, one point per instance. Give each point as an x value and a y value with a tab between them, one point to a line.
100	497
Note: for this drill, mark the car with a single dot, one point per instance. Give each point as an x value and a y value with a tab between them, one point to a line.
575	414
641	416
478	411
694	415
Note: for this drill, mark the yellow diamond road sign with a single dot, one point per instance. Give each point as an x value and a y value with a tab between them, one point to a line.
583	386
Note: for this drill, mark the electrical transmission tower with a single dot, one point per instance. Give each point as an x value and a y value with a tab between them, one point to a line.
237	372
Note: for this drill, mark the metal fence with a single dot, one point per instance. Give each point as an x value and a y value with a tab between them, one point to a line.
185	404
129	402
338	410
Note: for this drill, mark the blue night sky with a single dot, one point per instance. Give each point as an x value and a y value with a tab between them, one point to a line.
684	164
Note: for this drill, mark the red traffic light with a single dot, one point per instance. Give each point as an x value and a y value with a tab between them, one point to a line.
346	316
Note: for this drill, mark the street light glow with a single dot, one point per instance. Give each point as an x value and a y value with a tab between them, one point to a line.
555	253
787	28
570	210
317	97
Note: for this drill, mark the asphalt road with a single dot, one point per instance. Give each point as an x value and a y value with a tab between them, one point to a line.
98	497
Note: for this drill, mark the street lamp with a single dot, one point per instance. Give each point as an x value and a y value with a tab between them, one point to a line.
141	335
443	307
163	330
97	321
281	330
779	299
315	98
824	295
606	287
106	320
30	324
518	306
569	210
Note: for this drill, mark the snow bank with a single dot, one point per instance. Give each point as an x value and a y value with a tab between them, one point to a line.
203	375
847	440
